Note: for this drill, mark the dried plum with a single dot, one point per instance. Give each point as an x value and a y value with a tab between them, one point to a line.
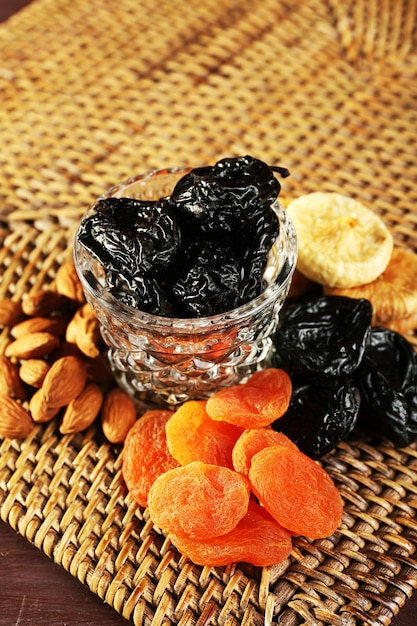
131	236
254	247
232	197
227	194
141	292
208	282
320	416
388	384
324	336
201	251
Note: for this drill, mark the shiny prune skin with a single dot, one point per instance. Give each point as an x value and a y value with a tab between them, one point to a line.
131	236
254	247
388	382
320	415
208	281
200	252
141	292
323	336
231	198
226	195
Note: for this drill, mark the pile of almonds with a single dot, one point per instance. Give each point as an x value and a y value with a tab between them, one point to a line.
53	365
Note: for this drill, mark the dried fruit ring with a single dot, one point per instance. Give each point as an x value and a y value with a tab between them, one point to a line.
393	295
341	243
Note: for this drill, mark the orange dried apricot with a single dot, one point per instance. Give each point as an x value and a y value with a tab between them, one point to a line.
193	436
263	398
257	539
252	441
145	454
198	500
222	483
298	493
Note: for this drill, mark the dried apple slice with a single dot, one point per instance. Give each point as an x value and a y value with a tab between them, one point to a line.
341	243
393	294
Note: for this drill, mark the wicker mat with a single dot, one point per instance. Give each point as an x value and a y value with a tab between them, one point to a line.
93	91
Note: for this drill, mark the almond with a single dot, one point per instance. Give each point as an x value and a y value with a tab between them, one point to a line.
83	410
15	421
32	346
67	282
10	312
84	331
118	414
64	381
10	382
33	371
43	302
53	325
40	410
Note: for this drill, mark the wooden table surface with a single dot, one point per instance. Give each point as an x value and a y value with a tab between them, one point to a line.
34	591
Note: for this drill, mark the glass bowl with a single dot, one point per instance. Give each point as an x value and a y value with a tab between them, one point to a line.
162	361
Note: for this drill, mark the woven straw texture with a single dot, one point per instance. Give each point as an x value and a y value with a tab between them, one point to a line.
94	91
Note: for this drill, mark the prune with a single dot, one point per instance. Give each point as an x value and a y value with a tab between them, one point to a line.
388	384
199	252
222	196
249	169
234	197
324	336
131	236
255	244
320	416
141	292
208	281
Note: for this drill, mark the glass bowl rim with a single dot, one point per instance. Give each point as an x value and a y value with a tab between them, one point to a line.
186	323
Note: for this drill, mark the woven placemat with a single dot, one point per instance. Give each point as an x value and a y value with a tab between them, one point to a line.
96	91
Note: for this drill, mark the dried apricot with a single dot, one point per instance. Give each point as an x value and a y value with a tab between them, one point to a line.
257	539
145	454
259	401
193	436
199	500
296	491
252	441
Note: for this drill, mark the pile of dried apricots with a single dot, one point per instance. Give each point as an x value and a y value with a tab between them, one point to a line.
222	483
221	477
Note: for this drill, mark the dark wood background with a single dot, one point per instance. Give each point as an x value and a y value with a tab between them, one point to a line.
34	591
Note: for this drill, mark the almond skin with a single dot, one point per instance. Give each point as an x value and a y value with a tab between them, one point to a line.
64	381
43	302
32	346
68	284
40	410
10	312
84	331
15	421
118	414
83	410
10	382
33	372
53	325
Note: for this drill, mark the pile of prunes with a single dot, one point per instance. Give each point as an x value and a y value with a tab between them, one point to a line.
346	374
199	252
